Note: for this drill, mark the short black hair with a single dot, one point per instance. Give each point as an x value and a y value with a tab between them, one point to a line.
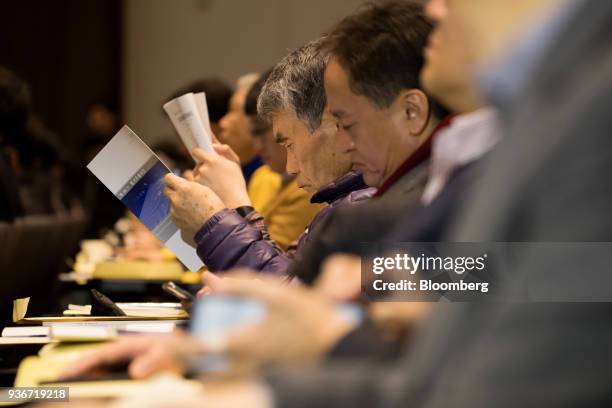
14	105
218	94
381	47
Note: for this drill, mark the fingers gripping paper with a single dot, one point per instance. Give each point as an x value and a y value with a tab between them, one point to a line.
134	174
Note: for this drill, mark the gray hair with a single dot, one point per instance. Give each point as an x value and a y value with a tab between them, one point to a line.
296	84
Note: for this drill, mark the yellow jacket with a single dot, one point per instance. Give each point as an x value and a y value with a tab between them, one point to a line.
288	214
263	187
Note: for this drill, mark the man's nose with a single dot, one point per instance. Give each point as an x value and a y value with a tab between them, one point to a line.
345	141
292	168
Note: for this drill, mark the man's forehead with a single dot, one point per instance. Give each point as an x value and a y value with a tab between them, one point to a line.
335	75
288	127
283	124
337	89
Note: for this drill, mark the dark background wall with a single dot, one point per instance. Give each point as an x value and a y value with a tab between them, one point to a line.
69	51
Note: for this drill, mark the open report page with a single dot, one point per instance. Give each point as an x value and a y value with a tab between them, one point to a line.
134	174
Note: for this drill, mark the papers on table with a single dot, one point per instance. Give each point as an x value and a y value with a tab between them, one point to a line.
46	334
148	309
13	341
25	331
82	331
134	174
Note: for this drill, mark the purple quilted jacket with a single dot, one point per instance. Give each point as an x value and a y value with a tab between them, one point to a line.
228	240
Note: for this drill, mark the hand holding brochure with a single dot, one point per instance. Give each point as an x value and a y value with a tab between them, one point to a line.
134	174
189	115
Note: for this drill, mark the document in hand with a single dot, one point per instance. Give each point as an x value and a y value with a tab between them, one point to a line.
189	115
134	174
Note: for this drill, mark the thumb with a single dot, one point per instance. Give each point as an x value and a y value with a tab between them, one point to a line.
211	280
172	181
226	152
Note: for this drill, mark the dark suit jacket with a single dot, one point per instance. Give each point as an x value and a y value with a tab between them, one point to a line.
345	228
429	223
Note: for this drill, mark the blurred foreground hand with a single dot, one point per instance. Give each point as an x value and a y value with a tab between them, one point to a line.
300	325
145	355
340	278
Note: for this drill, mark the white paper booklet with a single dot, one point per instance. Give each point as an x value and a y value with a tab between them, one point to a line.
134	174
25	331
189	115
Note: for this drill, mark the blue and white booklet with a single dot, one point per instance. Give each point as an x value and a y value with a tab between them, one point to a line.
134	174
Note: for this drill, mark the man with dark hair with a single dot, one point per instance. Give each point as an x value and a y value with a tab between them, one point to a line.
372	85
388	37
385	121
14	112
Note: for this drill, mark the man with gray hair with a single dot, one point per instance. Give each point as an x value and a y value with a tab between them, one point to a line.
293	102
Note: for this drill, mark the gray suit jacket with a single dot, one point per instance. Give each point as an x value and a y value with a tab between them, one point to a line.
548	181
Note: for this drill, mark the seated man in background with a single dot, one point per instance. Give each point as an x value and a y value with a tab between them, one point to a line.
293	100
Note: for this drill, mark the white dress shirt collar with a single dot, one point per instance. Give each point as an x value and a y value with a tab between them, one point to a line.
465	140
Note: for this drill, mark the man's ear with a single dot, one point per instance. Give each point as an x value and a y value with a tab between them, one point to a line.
415	109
